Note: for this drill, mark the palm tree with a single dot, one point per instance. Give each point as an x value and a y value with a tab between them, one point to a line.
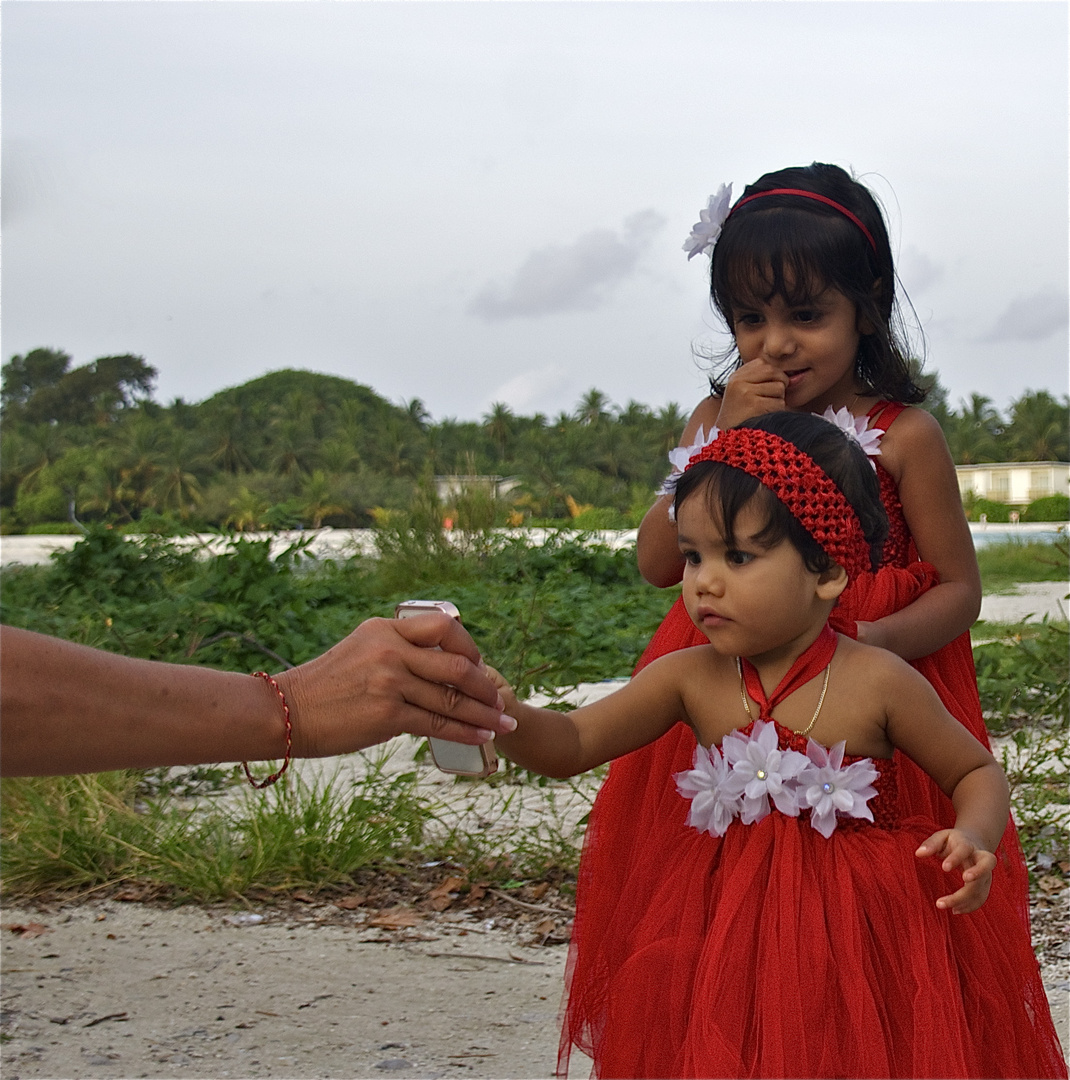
671	422
319	498
499	426
175	486
248	511
976	430
292	445
28	450
1038	430
417	413
593	408
226	436
138	444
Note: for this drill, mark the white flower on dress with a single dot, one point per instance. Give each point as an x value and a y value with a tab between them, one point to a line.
713	806
679	458
762	771
704	232
681	455
855	428
827	787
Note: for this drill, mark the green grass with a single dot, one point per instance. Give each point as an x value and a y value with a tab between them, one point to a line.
549	618
1007	564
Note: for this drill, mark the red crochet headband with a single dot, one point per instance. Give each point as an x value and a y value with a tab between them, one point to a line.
801	485
809	195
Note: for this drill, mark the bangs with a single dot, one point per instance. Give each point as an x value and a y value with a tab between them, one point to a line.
727	491
789	252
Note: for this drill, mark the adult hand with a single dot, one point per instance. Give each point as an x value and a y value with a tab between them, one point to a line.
419	675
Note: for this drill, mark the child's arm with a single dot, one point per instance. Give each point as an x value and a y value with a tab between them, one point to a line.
656	549
563	744
920	726
915	453
752	389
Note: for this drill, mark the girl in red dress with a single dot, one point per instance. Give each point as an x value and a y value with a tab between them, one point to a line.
803	275
801	924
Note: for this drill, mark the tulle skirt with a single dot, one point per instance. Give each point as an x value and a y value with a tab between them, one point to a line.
773	952
636	854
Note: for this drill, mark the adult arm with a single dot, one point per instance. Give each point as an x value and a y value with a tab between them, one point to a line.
915	453
70	709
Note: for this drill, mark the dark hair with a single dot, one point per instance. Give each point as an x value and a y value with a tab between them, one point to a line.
729	489
794	247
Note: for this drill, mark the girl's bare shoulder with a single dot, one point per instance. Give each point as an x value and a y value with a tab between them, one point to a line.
915	436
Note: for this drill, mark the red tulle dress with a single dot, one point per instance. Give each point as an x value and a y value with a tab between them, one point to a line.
774	952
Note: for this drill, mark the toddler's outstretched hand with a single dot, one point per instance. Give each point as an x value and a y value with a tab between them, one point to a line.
507	692
958	849
754	388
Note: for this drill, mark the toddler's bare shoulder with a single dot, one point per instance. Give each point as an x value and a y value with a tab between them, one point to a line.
876	667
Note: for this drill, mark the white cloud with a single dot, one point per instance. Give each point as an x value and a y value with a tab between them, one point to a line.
917	271
1032	317
575	277
531	391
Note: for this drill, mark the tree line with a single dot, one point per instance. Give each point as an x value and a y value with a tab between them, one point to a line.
296	448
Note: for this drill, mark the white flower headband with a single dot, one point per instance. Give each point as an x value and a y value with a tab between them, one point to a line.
704	232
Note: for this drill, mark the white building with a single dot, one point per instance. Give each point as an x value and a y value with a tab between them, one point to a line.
449	487
1016	483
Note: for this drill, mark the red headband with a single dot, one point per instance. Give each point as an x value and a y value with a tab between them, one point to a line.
801	485
810	195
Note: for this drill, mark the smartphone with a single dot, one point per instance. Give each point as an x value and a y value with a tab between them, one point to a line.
461	759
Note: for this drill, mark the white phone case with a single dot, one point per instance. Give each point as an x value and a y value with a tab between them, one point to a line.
461	759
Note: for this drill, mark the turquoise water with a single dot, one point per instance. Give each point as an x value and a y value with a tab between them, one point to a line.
1026	534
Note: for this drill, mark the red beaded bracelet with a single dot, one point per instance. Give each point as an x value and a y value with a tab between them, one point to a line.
289	735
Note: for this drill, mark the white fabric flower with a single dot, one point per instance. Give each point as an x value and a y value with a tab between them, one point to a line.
704	232
679	457
828	788
762	771
713	806
855	428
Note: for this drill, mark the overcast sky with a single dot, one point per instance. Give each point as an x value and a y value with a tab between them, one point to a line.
479	202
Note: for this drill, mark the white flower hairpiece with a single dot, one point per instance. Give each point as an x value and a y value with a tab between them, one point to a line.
678	459
704	232
855	428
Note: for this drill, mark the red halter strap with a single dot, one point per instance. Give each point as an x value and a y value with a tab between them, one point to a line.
809	664
805	489
817	198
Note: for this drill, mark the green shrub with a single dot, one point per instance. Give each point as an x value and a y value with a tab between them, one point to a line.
52	528
1051	508
1013	561
47	504
993	511
601	517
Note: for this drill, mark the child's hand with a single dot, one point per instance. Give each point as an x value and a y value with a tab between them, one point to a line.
752	389
507	692
959	850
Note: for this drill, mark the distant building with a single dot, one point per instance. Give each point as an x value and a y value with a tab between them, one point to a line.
1016	483
449	487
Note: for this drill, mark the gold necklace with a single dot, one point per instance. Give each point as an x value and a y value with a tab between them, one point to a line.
817	712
